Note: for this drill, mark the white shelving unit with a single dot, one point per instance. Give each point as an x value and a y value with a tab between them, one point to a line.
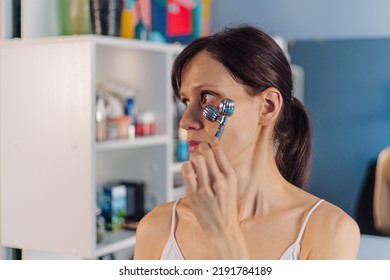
50	163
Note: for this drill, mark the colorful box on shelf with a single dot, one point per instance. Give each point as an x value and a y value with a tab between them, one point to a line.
114	205
154	20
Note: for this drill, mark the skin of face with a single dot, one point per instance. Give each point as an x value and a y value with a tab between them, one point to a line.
206	81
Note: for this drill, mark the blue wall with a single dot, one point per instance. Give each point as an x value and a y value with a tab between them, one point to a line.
307	19
347	80
347	91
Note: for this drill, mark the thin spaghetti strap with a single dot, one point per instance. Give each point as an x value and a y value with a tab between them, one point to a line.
174	216
307	219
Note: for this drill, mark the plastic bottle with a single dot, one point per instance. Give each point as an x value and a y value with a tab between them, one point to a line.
145	124
182	145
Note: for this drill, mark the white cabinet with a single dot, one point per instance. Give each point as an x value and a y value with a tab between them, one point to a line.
50	162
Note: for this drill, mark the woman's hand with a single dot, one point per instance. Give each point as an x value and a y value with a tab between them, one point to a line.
212	187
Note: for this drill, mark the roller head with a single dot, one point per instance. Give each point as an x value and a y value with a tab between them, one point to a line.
211	113
226	107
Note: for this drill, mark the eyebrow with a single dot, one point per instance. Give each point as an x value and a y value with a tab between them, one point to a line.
197	87
206	85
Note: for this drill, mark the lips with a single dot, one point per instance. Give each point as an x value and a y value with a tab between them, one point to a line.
193	145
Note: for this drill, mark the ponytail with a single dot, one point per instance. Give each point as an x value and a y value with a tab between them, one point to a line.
293	136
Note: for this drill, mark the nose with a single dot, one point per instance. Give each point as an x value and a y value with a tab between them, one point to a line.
192	118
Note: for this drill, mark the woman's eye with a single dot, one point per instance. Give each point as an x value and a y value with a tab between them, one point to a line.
207	97
186	102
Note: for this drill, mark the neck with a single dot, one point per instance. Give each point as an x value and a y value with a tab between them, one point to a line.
260	184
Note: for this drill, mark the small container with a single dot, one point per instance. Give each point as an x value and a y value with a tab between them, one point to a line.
101	123
100	228
131	111
182	145
130	108
118	128
145	124
101	130
100	225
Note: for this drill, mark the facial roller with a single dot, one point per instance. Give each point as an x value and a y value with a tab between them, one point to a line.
226	109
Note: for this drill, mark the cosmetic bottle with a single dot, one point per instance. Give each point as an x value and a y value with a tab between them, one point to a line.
182	145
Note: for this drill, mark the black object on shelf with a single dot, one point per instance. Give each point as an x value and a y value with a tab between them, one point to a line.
135	199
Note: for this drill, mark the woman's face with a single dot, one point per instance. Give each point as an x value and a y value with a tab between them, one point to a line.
206	82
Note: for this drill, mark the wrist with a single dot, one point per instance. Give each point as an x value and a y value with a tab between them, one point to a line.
231	244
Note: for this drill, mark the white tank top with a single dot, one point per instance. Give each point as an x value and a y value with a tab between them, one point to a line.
172	251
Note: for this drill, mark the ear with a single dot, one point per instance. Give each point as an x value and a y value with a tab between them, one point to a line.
271	105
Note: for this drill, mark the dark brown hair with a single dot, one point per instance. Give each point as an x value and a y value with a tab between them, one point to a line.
254	59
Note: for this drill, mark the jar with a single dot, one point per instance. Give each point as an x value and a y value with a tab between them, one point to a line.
119	127
145	124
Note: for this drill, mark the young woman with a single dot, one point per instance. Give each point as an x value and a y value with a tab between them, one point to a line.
245	197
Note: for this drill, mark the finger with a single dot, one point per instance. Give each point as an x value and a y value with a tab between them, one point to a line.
220	157
212	166
199	165
228	173
189	175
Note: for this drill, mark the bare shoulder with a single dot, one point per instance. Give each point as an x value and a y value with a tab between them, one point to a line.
385	153
153	231
384	159
331	234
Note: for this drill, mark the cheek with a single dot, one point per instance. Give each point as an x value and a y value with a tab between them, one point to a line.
240	132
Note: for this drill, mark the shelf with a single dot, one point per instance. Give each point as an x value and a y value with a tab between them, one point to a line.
146	141
114	241
58	78
134	43
105	41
